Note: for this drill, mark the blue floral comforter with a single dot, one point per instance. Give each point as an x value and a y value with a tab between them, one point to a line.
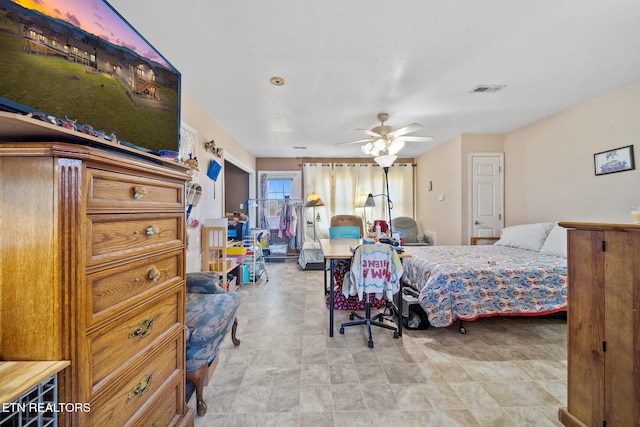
467	282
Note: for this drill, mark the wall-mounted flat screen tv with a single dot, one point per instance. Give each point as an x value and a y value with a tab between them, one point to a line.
80	60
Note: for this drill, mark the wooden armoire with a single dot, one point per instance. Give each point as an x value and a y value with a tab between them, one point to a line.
93	272
603	325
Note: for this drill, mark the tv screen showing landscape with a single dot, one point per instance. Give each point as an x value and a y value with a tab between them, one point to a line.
80	60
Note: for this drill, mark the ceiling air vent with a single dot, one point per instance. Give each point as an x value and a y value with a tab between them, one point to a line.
487	89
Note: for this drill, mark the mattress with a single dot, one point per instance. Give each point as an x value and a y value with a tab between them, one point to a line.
467	282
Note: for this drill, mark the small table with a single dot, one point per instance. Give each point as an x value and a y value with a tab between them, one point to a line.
335	249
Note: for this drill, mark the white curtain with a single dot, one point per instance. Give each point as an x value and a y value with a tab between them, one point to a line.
345	178
344	189
370	181
401	189
318	179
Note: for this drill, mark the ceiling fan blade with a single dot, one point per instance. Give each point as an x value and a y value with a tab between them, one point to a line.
360	141
370	132
417	138
407	129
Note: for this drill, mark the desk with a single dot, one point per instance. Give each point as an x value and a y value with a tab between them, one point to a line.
334	249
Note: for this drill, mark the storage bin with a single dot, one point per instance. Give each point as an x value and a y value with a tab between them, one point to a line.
237	259
277	252
237	250
278	249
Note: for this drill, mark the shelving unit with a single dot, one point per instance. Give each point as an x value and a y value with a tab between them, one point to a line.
214	256
254	258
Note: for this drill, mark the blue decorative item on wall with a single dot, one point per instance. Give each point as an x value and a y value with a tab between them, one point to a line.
214	170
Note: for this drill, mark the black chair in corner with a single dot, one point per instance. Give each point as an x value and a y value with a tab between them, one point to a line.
375	268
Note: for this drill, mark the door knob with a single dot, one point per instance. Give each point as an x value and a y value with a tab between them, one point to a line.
476	222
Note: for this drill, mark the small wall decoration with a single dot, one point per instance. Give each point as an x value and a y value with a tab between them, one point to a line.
210	146
616	160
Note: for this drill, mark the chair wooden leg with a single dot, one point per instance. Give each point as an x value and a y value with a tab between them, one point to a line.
197	377
235	340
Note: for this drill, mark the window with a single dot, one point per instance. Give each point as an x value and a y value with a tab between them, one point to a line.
275	187
278	189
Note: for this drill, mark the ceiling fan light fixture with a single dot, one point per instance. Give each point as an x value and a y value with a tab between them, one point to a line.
386	160
395	146
369	149
379	144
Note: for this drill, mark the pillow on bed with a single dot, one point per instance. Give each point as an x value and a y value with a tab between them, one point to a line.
556	242
525	236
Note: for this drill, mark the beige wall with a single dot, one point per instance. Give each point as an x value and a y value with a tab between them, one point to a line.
442	167
446	166
212	199
549	170
549	164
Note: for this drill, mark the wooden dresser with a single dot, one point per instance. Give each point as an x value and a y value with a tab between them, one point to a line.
603	325
93	271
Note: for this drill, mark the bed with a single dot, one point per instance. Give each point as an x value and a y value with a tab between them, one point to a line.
522	274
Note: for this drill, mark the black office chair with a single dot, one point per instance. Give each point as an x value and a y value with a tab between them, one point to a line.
375	268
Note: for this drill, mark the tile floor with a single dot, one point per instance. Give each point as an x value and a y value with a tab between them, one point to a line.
289	372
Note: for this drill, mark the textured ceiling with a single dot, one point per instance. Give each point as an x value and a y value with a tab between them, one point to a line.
345	61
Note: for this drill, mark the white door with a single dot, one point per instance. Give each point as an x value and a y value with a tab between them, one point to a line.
487	194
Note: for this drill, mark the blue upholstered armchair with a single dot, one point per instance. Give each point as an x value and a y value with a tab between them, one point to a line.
211	313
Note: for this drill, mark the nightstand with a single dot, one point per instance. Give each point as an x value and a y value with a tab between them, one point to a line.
484	240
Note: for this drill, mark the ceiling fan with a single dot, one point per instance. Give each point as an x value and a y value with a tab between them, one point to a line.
384	139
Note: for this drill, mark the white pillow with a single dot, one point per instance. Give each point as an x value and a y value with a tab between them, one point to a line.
556	242
526	236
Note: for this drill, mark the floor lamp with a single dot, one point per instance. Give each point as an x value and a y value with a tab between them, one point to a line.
312	201
385	162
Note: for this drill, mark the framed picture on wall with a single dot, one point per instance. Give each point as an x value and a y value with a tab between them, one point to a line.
616	160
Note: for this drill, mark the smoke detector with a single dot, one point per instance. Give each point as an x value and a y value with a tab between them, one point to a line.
488	88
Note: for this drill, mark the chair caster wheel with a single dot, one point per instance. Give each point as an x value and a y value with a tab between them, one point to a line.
463	330
351	317
370	344
396	334
342	330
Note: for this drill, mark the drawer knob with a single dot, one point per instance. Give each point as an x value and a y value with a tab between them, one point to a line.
151	230
144	328
154	274
139	191
142	387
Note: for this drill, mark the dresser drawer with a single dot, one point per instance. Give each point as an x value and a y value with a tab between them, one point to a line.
117	191
112	237
111	289
114	345
119	406
167	406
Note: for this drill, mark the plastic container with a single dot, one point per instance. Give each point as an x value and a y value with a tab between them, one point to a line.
236	250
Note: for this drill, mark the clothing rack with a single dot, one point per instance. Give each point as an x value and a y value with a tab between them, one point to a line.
288	203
